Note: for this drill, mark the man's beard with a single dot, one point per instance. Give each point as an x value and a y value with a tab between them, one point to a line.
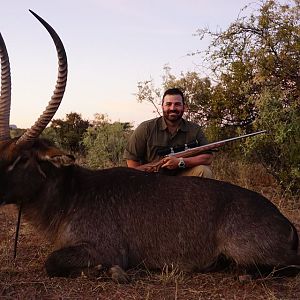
173	115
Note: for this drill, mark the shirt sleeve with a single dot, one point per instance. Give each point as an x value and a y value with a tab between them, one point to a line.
137	144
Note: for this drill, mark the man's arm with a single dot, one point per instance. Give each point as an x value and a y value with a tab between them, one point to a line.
136	146
171	162
132	163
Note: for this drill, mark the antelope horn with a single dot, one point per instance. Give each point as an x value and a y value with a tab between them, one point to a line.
33	133
5	96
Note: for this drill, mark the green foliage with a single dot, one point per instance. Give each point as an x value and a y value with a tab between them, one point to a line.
105	142
256	53
278	150
257	62
50	134
68	133
260	56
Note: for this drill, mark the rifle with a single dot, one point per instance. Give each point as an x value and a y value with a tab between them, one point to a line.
155	165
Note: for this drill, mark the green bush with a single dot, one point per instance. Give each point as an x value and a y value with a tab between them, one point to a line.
105	143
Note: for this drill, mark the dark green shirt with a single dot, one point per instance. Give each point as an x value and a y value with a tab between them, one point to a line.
152	136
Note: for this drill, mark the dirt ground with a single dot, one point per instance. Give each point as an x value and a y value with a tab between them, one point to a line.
25	277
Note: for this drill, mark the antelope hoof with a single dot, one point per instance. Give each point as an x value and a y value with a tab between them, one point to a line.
245	278
118	275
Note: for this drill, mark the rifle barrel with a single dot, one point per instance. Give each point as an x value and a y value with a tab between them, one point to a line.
213	145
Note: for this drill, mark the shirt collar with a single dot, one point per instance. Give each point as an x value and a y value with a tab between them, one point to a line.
163	125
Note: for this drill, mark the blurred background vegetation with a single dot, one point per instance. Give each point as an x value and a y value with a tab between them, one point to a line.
253	84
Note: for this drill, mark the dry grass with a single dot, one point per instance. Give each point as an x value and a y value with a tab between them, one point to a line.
25	278
254	177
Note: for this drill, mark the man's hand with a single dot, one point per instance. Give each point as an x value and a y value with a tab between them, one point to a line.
170	162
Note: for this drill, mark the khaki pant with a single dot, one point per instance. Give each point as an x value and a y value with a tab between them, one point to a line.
200	171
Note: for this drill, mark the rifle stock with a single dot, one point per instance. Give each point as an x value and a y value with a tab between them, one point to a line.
155	165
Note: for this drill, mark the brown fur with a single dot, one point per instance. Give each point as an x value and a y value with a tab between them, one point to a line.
126	217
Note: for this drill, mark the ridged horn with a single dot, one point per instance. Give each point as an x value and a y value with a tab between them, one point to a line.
34	132
5	97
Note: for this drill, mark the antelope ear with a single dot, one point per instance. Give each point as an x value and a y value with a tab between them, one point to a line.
55	156
61	160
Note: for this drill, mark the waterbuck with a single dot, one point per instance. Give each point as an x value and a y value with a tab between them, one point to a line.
119	218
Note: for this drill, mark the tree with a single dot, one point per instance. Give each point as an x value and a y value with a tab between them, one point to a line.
68	133
105	142
258	52
257	64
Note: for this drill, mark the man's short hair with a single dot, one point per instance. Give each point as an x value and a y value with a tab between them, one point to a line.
173	91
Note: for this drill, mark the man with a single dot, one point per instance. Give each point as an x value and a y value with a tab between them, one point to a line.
158	137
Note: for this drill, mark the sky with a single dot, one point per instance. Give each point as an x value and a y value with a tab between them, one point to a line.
111	46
